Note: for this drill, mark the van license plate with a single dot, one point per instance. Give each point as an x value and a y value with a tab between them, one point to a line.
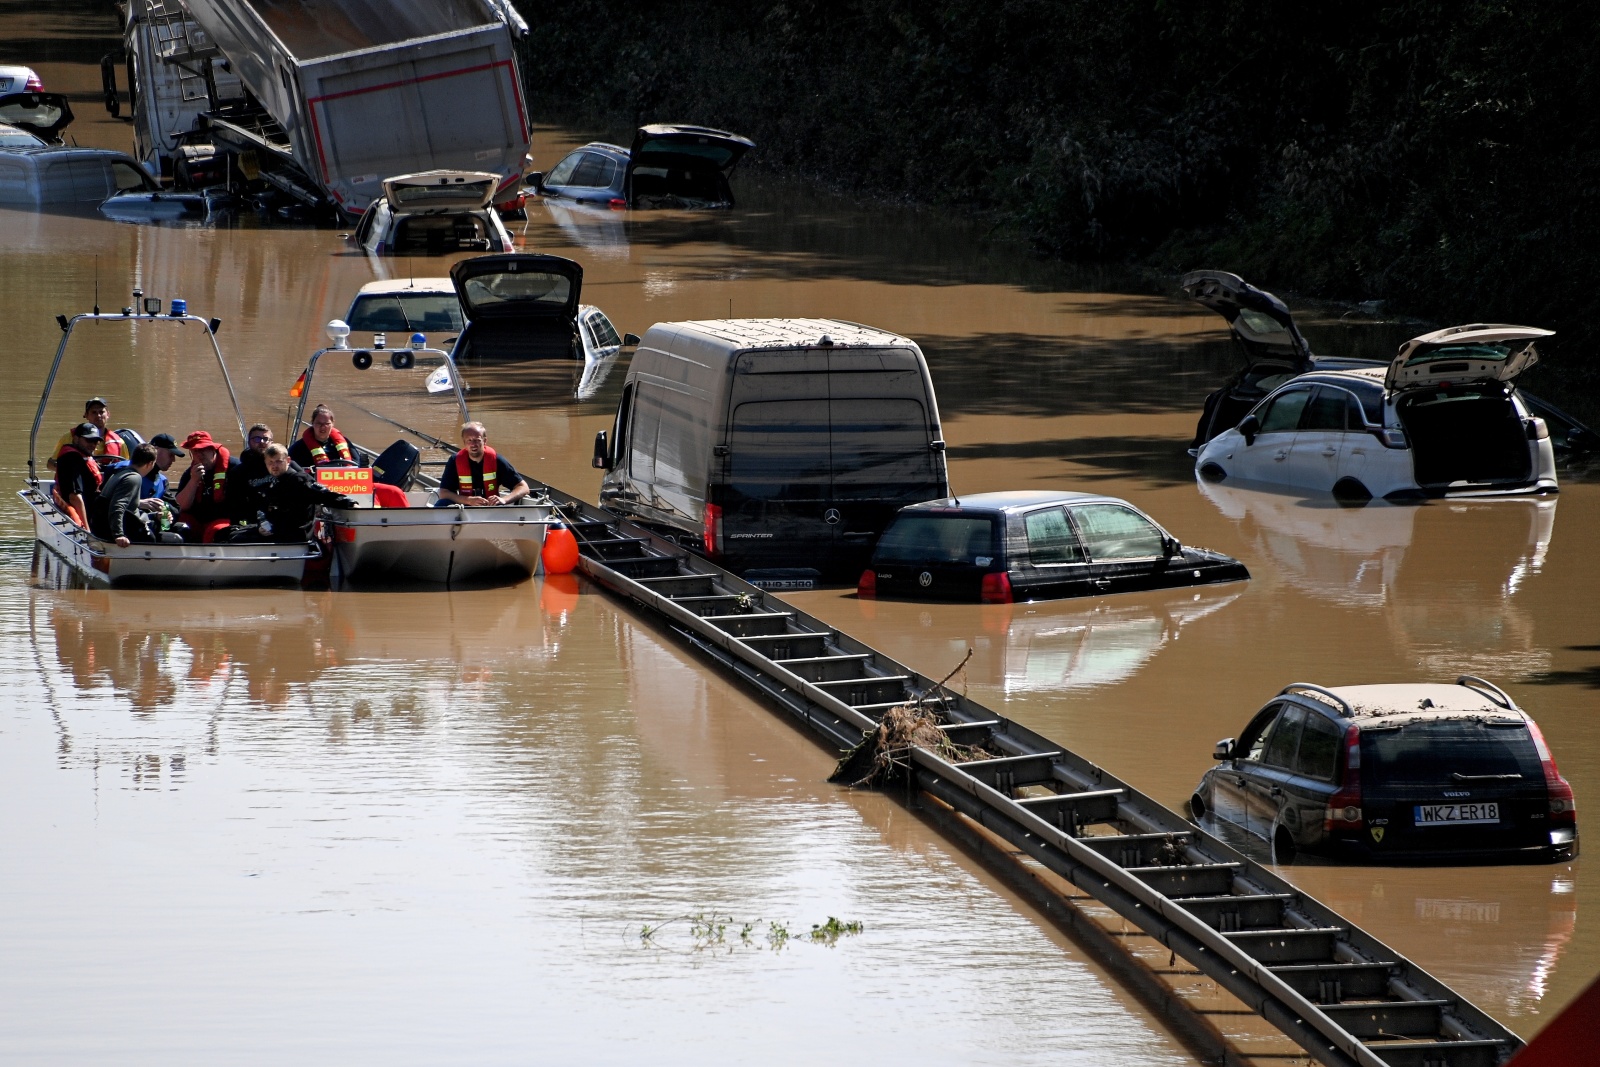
1456	814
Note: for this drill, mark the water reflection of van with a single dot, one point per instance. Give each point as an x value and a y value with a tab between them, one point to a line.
779	447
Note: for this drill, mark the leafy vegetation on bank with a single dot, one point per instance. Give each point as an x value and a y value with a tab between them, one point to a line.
1438	154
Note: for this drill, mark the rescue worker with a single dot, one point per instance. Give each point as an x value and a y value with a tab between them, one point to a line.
288	498
203	489
252	468
110	444
117	516
78	476
322	445
478	476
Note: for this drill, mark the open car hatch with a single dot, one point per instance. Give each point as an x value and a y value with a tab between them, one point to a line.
517	284
657	146
436	191
1479	352
42	114
1260	322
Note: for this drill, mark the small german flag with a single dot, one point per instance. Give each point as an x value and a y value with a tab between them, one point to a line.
298	389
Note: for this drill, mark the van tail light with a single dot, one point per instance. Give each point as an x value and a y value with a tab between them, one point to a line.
713	530
616	203
1344	807
867	585
1392	438
1538	430
996	588
1563	808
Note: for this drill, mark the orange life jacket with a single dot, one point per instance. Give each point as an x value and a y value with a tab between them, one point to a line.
61	502
464	473
218	489
319	451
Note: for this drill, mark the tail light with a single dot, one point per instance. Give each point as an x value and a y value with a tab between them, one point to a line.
867	584
996	588
616	203
713	530
1392	438
35	85
1538	430
1563	808
1344	807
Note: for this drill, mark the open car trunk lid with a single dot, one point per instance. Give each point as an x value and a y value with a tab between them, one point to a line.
518	285
432	192
42	114
1260	322
659	145
683	166
1481	352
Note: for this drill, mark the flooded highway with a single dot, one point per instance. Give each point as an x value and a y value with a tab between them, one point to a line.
256	825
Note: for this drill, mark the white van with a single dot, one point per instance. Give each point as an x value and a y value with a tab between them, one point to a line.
779	447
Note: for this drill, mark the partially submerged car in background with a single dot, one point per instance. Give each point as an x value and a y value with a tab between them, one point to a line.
1275	351
1033	545
668	166
1393	773
432	213
525	306
18	79
38	171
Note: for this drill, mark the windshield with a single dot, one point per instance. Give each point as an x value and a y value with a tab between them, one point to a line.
10	138
413	196
406	312
490	291
1491	353
718	153
1450	752
922	538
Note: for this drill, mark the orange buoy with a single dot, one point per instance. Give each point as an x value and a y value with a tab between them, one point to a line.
560	552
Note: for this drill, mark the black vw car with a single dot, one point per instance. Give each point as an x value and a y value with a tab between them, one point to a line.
1394	773
1033	545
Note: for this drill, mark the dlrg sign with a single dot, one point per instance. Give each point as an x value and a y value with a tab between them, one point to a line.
351	481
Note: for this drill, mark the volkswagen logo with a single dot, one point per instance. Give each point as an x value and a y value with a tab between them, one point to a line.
924	579
831	516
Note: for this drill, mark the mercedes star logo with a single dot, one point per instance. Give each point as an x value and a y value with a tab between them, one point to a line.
924	579
831	516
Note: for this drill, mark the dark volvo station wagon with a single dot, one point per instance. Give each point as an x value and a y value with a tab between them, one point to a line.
1033	545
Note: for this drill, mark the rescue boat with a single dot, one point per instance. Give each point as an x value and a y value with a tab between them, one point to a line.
382	541
100	562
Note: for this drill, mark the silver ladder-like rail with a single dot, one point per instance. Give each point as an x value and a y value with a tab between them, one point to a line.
1338	992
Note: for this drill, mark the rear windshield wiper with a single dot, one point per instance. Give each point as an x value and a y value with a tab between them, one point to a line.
1458	776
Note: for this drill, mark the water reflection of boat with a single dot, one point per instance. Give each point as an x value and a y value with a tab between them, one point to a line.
100	561
1406	562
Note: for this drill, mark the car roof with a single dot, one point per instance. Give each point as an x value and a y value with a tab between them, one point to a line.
1013	500
602	146
1411	701
748	334
409	285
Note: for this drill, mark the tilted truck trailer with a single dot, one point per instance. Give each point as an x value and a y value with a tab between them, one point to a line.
356	91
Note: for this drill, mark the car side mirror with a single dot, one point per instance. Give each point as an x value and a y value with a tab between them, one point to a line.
1171	546
1224	749
630	340
1249	426
535	181
602	454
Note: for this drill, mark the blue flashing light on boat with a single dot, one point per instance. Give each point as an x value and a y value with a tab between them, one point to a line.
180	307
419	341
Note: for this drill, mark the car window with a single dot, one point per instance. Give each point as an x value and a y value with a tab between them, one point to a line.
1370	397
918	537
594	171
410	312
1434	753
1253	742
529	288
779	449
1319	748
364	227
127	177
10	138
1113	532
605	334
561	173
619	429
1050	538
435	234
1285	738
1329	410
1283	411
646	426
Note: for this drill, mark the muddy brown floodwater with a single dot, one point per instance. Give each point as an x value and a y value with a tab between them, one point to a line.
254	826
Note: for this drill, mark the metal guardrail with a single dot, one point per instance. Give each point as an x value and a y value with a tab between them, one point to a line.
1338	992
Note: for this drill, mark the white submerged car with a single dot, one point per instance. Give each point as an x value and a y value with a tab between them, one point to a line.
1443	419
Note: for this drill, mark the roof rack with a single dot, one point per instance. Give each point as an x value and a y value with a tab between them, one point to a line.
1488	689
1326	694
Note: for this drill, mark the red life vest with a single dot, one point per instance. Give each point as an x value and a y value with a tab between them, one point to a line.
112	443
481	487
218	489
88	461
319	451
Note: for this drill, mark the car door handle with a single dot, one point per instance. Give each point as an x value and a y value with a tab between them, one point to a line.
1358	451
1274	792
1280	456
1330	451
1238	781
1102	583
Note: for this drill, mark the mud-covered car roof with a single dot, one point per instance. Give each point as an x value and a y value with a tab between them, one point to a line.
1370	705
1010	500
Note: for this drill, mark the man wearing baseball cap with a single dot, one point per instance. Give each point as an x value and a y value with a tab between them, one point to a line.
203	489
110	444
153	492
78	477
